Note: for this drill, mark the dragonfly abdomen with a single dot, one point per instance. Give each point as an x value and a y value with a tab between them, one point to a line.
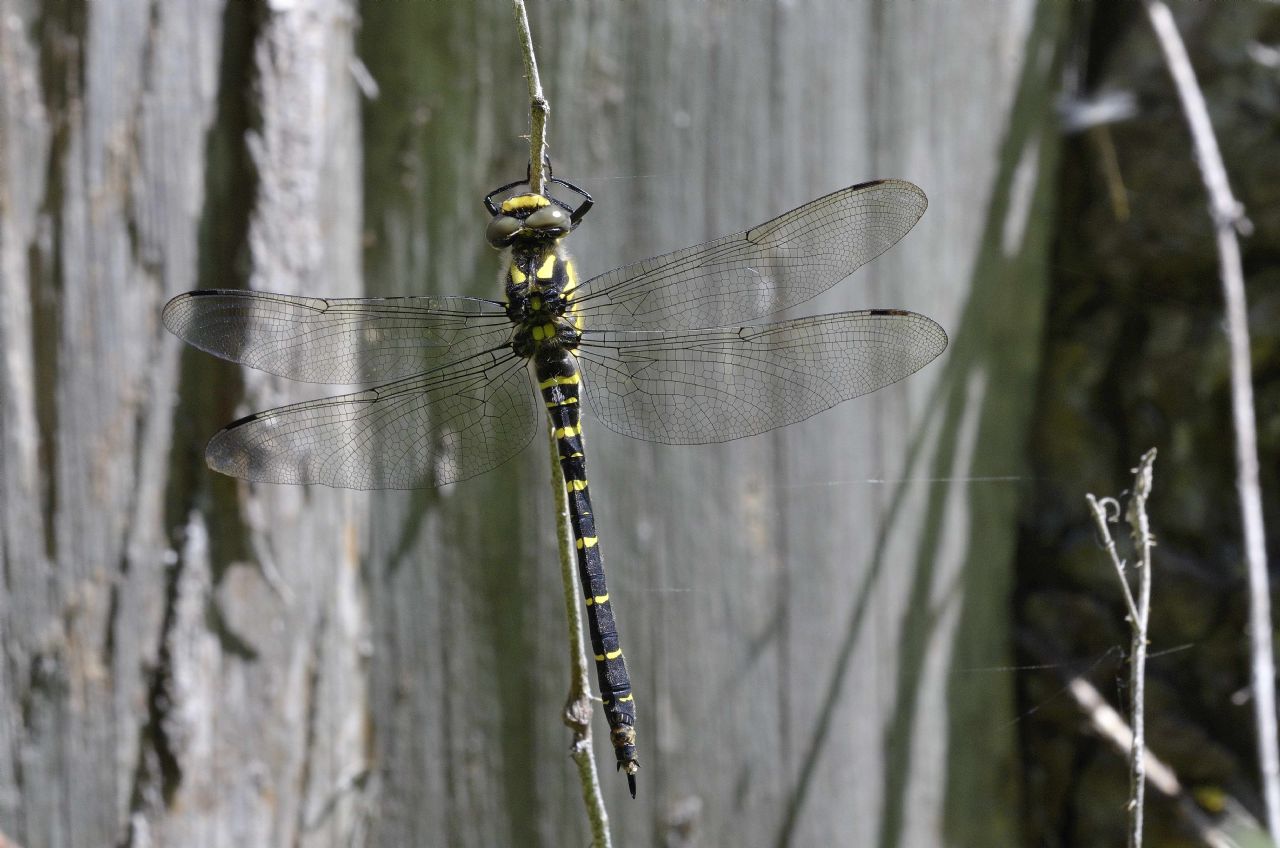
560	381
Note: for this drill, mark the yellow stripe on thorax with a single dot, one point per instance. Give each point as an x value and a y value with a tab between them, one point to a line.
571	277
565	432
548	267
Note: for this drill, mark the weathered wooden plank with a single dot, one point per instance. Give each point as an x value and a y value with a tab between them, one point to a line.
191	661
153	696
83	533
284	739
774	575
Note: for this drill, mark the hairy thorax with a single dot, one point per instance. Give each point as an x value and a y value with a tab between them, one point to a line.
540	280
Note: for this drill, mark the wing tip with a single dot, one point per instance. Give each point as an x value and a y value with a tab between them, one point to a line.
169	316
907	313
229	459
175	316
905	186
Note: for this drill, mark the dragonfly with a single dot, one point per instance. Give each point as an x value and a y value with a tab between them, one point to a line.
668	349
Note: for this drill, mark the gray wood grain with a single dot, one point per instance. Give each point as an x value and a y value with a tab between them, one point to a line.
158	689
195	661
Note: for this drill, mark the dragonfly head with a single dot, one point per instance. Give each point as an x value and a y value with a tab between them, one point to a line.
528	216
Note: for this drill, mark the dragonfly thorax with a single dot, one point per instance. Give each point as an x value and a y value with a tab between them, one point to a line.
540	282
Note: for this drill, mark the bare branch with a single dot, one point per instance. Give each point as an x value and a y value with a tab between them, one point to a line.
1228	218
1230	832
539	108
1139	616
577	711
577	708
1098	508
1140	528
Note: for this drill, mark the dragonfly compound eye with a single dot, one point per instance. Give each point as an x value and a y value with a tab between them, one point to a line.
502	229
548	218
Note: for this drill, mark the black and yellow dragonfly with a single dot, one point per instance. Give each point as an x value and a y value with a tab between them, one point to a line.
660	349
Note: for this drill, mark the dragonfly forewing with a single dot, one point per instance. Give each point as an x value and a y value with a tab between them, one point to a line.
335	340
757	272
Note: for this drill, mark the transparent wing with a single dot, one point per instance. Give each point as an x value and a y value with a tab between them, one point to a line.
436	428
330	340
701	386
757	272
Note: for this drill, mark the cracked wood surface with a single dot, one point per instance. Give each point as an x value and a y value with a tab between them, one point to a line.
193	661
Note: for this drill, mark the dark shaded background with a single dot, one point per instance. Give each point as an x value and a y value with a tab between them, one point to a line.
1135	356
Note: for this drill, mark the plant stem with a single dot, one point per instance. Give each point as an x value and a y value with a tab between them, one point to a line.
577	711
577	707
1228	216
1140	528
1139	615
539	108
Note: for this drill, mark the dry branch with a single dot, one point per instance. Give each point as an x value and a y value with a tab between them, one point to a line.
1139	616
577	711
1228	217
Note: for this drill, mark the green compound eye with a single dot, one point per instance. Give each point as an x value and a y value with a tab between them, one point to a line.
548	218
502	229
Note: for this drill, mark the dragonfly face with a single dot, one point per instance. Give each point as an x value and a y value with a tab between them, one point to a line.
528	217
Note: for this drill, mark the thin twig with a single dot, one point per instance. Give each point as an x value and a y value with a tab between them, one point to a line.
1228	218
1112	727
1139	617
1105	145
1140	529
1098	507
577	711
539	108
577	707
